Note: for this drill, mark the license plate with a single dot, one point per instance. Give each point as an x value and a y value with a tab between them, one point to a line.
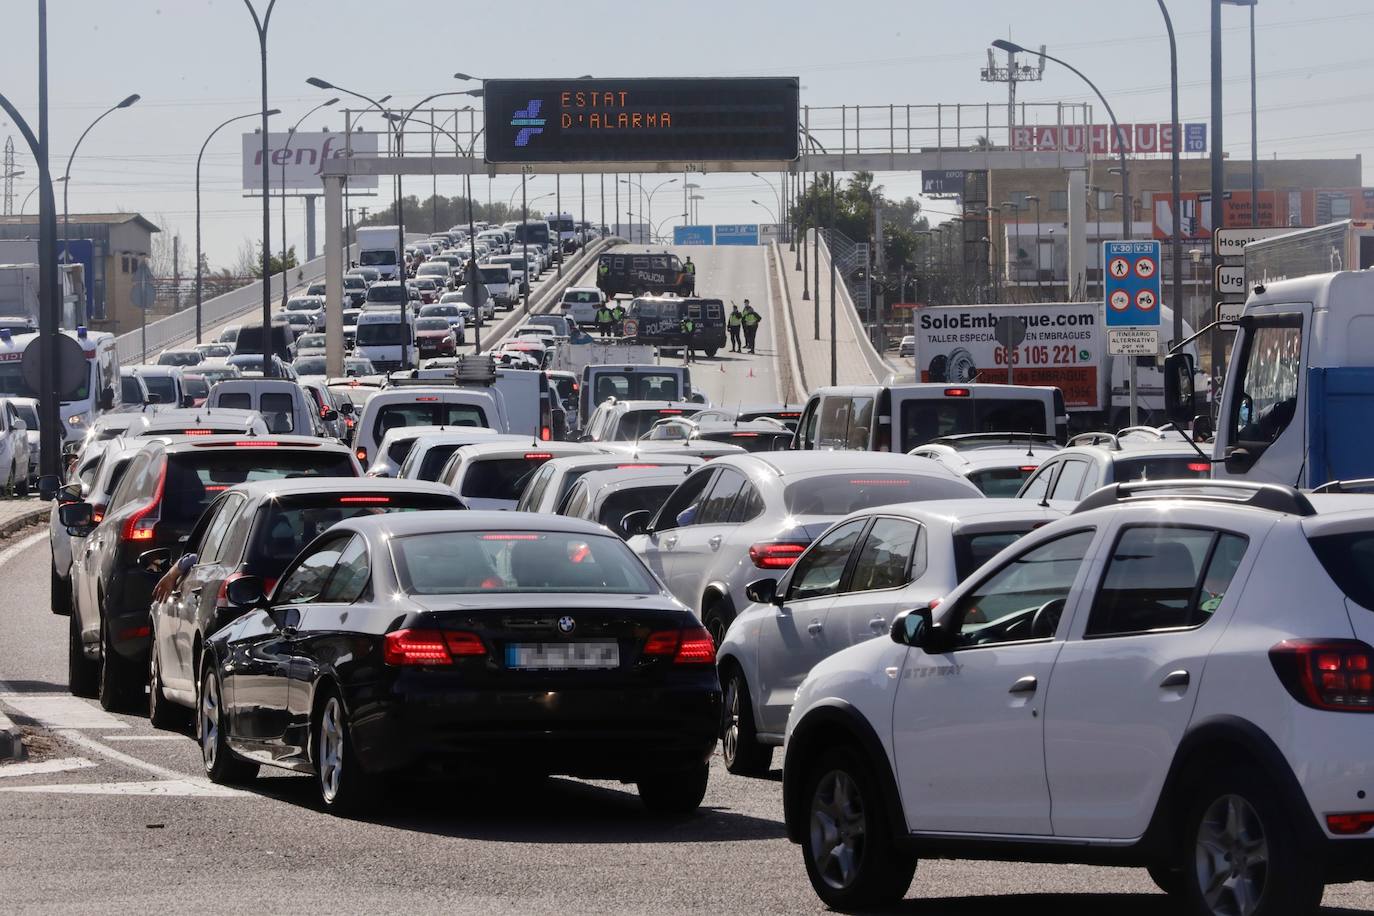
562	655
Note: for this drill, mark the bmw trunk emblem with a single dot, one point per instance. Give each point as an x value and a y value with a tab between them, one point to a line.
566	625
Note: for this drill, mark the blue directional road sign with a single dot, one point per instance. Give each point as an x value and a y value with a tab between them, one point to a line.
1132	287
743	234
692	235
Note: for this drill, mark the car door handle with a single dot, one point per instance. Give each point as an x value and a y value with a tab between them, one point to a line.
714	540
815	627
1026	684
877	623
1177	678
670	543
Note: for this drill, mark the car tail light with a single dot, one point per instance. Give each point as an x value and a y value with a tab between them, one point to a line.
635	467
197	432
956	392
427	398
361	455
692	646
134	633
881	482
1027	468
98	513
430	647
744	435
510	537
141	525
1331	674
778	555
369	500
1350	824
462	644
669	411
1199	467
538	456
256	443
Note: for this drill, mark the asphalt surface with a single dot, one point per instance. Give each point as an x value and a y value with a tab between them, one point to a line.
122	818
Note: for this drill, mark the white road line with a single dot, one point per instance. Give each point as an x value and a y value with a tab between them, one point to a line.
45	766
143	738
162	787
62	712
9	552
95	747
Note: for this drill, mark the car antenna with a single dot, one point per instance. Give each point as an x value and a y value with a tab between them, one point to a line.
1030	445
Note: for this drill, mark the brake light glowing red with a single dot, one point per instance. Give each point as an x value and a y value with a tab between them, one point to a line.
197	432
789	415
134	633
415	647
216	487
1350	824
462	644
361	455
879	482
744	435
427	398
256	443
510	537
538	456
956	392
369	500
776	555
1200	467
628	467
141	525
545	434
669	410
692	646
1027	468
1331	674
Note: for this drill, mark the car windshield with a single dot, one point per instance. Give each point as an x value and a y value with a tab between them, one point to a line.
379	333
310	365
28	415
997	482
179	358
12	383
310	342
495	562
163	386
290	523
377	257
432	324
354	283
196	476
439	269
439	311
924	419
501	478
299	305
1170	467
358	366
494	274
841	494
386	293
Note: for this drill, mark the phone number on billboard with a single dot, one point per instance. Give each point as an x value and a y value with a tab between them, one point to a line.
1060	355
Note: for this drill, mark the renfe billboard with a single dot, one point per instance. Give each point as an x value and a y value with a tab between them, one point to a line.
641	120
300	158
1063	347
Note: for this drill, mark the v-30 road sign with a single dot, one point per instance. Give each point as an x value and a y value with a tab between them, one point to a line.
1131	290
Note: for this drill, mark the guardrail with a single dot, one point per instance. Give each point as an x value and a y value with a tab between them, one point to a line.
548	292
877	364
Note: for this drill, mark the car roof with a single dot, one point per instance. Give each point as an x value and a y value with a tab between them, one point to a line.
592	459
614	480
146	369
249	440
789	464
960	513
410	523
655	405
304	486
505	449
433	436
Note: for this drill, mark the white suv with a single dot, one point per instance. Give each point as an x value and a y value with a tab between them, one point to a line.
1174	676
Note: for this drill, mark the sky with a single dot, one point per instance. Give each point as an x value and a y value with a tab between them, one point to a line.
195	63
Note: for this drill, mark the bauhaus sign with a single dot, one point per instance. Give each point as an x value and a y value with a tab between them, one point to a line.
1100	139
299	158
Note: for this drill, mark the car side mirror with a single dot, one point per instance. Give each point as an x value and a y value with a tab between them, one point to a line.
155	561
187	401
764	591
79	516
1202	428
636	522
153	398
1178	387
107	398
71	493
49	486
21	426
330	415
917	628
245	592
346	409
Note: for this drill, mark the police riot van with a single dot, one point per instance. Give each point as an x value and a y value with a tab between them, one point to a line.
642	272
99	391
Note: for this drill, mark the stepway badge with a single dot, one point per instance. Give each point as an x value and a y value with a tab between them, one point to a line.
529	122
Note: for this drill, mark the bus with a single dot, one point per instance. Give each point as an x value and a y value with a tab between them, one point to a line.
99	392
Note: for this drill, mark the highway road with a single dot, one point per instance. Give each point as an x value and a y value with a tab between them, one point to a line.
110	815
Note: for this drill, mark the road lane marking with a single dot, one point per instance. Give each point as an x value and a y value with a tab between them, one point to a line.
95	747
45	766
143	738
158	787
21	546
62	712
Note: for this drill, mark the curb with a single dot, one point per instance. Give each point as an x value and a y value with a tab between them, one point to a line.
796	373
20	522
11	740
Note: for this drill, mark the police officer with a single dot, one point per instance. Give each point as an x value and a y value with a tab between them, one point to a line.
691	271
750	319
603	271
687	328
618	316
604	318
733	323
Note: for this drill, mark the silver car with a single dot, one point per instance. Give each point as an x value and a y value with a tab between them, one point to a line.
744	516
99	468
846	588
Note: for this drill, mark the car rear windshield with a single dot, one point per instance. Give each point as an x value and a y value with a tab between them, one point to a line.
496	562
1179	467
196	476
388	293
636	423
377	257
924	419
1349	560
500	478
633	499
163	386
841	494
751	441
289	523
310	365
427	413
179	358
1001	481
434	461
973	550
636	386
494	274
381	334
196	386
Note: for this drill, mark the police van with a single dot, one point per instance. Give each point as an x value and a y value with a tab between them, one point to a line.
99	391
642	273
657	320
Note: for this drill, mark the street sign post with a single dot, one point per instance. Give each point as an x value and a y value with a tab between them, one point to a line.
1230	282
475	294
143	295
1010	332
1131	303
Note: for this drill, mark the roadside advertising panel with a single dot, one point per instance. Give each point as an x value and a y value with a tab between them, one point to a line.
1064	347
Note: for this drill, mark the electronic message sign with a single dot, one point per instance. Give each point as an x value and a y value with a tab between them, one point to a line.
641	120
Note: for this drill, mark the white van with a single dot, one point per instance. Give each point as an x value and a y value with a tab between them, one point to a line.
285	406
382	337
414	405
100	391
899	418
500	284
580	304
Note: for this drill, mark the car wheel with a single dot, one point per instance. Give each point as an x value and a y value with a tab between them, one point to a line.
717	619
851	856
59	592
119	679
83	674
21	484
1244	852
342	784
162	712
1168	878
221	766
676	792
739	741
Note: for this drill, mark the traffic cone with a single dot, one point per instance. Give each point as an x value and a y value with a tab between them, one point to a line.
751	372
722	366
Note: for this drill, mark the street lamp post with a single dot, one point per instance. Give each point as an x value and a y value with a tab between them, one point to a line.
766	209
24	205
776	193
199	157
261	23
648	197
1014	261
66	176
1039	266
290	135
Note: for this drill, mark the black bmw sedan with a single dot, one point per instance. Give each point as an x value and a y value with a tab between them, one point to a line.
443	641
